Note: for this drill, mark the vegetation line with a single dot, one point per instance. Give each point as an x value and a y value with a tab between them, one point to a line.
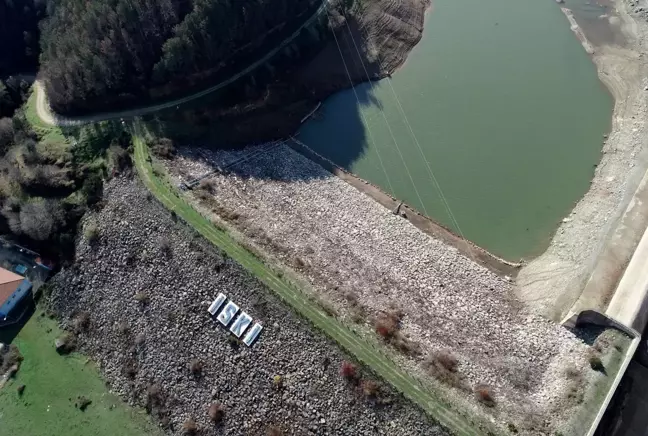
383	366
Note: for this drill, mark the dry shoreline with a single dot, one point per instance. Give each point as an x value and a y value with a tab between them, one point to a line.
592	246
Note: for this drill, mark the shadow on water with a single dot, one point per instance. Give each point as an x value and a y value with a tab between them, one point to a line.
228	123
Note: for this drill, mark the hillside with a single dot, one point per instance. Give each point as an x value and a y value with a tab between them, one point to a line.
109	54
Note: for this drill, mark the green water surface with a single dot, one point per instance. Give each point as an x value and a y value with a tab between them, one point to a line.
507	110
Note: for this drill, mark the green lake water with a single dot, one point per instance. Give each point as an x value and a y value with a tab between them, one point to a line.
506	110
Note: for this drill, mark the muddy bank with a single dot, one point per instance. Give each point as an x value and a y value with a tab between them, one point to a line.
386	31
602	230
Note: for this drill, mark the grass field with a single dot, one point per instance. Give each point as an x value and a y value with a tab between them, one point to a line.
45	131
364	351
53	384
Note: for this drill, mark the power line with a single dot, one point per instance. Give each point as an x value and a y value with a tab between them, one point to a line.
416	141
371	84
358	99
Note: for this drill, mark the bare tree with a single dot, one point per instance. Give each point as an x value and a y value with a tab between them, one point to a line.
41	218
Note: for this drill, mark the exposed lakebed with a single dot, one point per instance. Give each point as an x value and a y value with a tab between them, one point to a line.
498	103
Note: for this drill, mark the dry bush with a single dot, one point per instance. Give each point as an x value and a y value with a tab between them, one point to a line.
370	388
388	323
91	233
208	185
202	195
163	148
142	298
573	373
329	309
349	371
484	395
165	248
447	360
123	328
155	399
405	345
574	390
298	262
189	427
195	366
81	322
9	359
226	214
216	412
273	430
130	368
443	366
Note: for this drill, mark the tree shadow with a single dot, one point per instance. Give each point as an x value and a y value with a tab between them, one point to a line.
233	137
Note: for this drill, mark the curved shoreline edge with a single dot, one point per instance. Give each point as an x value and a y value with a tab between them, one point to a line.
593	245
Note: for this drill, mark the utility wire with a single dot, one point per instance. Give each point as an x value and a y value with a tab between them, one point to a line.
382	112
418	144
382	165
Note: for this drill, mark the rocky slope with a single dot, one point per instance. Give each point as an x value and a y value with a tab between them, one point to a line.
365	262
145	347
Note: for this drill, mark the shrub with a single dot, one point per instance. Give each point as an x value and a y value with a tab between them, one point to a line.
278	381
443	366
9	359
195	366
81	322
142	297
123	328
189	427
512	428
165	248
349	371
370	388
388	323
163	148
216	412
298	262
91	233
405	345
40	219
155	398
447	360
485	396
596	363
140	339
130	368
273	430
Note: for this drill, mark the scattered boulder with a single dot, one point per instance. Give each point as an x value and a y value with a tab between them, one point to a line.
65	343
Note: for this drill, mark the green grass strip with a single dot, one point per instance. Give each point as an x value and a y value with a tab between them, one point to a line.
361	349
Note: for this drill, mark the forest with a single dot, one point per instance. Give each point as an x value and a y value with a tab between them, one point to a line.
110	53
19	35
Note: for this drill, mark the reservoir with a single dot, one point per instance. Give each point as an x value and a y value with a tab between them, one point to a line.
498	106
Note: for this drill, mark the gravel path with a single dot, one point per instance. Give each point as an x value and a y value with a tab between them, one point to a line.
357	254
143	344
